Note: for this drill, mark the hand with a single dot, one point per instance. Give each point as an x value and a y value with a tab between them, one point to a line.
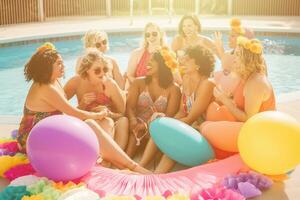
114	115
157	115
99	108
139	129
100	115
88	98
218	39
219	94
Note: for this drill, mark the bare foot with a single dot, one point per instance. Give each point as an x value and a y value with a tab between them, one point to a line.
139	169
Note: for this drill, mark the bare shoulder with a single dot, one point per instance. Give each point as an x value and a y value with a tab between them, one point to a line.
258	82
137	51
206	84
174	89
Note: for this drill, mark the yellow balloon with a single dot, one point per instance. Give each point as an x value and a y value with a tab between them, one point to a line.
269	143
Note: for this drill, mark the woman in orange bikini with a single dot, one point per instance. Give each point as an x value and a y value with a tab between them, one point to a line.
149	97
46	97
153	40
197	92
96	91
254	94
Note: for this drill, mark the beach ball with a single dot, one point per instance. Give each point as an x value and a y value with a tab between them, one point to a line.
180	141
62	148
269	142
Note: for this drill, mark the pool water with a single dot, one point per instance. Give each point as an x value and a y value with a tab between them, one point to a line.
282	57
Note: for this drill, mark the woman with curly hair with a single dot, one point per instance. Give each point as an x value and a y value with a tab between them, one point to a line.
254	94
197	92
46	97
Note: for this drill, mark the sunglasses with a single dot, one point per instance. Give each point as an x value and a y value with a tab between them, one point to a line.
148	34
98	70
99	44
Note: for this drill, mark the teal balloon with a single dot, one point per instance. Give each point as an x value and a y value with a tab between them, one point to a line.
180	141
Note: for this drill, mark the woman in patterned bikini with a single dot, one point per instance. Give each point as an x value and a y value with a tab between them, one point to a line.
149	97
46	97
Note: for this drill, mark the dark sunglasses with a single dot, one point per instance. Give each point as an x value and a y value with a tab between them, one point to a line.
154	34
98	70
99	44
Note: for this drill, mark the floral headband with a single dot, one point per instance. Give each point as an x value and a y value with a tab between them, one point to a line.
45	46
169	58
252	45
236	26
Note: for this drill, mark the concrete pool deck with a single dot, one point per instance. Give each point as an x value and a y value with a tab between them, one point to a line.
78	26
288	103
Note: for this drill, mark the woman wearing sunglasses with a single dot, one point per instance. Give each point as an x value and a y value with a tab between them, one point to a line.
46	97
153	40
149	97
95	91
99	40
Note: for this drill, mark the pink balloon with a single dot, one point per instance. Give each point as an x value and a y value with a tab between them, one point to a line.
62	147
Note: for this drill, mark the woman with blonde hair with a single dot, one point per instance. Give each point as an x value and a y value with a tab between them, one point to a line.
95	91
153	39
46	97
254	94
99	40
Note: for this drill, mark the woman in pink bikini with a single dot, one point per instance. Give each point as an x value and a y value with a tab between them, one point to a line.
149	97
46	97
96	91
153	40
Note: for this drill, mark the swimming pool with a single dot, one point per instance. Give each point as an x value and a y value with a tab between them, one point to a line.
283	60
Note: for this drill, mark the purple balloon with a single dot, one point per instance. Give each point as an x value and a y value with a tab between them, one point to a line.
62	147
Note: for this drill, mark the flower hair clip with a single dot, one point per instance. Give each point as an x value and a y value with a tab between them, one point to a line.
45	46
169	58
236	26
252	45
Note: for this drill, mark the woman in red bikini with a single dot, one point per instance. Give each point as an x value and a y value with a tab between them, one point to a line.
95	91
153	40
46	97
149	97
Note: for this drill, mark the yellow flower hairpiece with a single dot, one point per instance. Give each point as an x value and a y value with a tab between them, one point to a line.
236	26
45	46
252	45
169	58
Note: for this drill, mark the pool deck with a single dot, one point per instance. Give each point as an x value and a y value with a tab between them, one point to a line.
78	26
288	103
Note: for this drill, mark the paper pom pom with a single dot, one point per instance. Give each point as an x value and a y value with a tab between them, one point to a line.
167	193
7	162
14	193
10	146
44	187
79	194
178	197
4	152
25	180
154	198
119	198
258	181
18	171
64	187
220	193
34	197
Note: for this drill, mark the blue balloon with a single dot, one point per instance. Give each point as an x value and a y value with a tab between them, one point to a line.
180	141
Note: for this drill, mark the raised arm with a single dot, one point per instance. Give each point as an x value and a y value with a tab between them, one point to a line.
204	95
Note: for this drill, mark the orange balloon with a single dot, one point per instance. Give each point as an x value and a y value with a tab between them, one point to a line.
222	135
216	112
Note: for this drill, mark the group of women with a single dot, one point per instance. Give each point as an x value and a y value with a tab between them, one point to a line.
177	82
